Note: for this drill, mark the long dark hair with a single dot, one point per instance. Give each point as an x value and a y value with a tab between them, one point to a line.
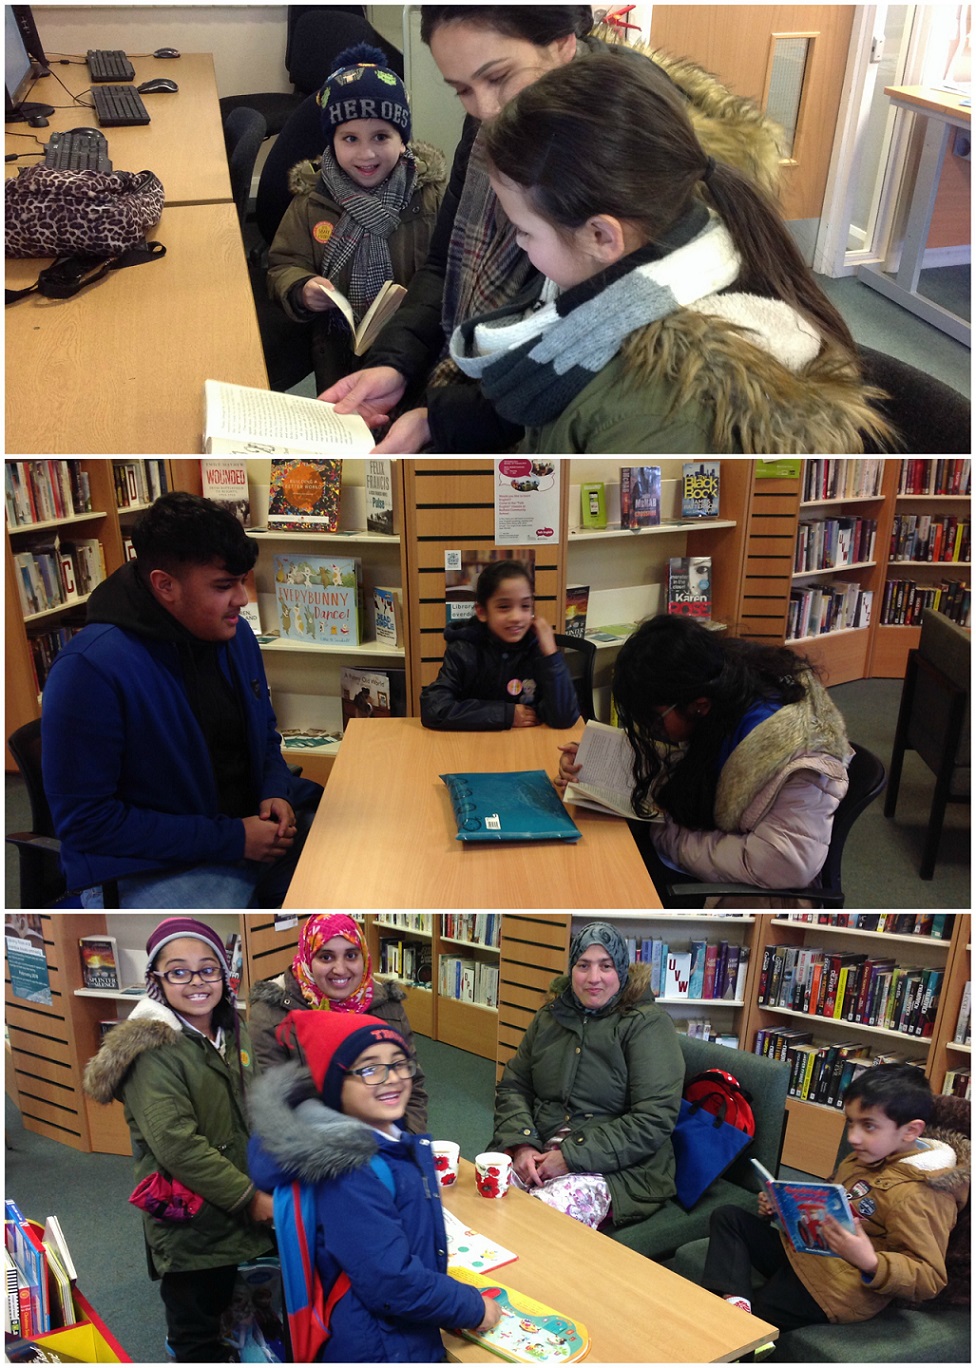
595	138
538	24
676	660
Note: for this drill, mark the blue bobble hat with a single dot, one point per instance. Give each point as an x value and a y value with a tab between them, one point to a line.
363	87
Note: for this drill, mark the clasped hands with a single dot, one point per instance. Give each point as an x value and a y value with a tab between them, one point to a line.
271	833
536	1167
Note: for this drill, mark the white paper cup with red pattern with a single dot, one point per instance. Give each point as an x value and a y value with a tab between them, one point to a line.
493	1173
446	1155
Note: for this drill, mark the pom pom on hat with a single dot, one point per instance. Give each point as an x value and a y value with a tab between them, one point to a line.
330	1043
363	87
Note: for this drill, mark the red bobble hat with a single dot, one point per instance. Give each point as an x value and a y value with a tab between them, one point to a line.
329	1043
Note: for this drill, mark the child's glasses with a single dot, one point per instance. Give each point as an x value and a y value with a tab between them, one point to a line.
375	1074
209	973
655	727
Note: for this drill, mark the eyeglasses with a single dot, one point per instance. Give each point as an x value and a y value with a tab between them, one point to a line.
209	974
656	727
375	1074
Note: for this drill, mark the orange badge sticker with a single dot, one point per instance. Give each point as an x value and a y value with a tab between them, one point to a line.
322	231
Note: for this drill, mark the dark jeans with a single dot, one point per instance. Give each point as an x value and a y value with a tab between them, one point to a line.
738	1242
195	1302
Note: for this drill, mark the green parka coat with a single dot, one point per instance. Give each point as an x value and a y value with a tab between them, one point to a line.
185	1109
613	1077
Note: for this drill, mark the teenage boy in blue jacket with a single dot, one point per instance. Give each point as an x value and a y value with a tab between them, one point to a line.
162	764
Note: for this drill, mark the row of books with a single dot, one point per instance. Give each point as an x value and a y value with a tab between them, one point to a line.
408	960
700	1028
935	925
920	537
851	987
57	574
480	928
821	1072
44	647
824	608
944	475
847	478
304	495
468	980
707	970
138	482
640	495
45	491
410	921
904	601
958	1082
829	543
39	1275
961	1035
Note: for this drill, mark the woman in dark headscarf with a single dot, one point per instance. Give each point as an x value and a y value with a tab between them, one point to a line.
587	1105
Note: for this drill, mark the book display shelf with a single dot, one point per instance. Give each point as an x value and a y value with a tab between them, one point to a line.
32	638
50	1045
448	964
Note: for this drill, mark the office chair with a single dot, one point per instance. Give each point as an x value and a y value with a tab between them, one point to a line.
866	779
42	883
580	656
244	132
931	417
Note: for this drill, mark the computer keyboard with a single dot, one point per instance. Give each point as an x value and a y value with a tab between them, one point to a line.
110	65
80	149
117	105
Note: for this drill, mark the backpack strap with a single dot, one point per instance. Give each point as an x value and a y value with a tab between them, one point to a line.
69	274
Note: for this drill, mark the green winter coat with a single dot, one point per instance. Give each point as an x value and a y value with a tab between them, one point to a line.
186	1115
295	255
614	1078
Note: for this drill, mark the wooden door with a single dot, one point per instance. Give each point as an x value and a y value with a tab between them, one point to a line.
741	43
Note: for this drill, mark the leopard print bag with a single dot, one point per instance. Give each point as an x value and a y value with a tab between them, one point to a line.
51	212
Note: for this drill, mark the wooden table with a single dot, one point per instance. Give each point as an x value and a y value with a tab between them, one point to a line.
183	142
938	112
385	836
634	1310
119	369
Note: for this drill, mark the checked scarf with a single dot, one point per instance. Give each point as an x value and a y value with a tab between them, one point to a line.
369	218
532	364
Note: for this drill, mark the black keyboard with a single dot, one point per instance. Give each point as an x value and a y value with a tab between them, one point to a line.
117	105
80	149
110	66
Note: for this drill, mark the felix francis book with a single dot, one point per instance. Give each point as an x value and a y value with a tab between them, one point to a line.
801	1208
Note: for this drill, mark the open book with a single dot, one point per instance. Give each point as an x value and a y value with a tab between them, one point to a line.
240	421
606	780
382	309
529	1331
801	1208
468	1250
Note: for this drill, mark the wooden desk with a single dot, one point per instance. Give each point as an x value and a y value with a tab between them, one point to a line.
385	837
119	369
183	143
634	1310
938	113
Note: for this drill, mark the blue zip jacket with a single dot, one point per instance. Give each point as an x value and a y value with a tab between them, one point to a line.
127	773
482	678
392	1246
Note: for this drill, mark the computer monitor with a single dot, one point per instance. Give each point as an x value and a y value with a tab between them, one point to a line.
24	62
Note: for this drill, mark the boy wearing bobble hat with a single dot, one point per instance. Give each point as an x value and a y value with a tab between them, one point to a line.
357	1207
362	214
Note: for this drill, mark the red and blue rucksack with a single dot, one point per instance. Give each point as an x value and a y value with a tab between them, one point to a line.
713	1089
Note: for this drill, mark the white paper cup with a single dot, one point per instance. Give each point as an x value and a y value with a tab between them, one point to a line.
446	1154
493	1173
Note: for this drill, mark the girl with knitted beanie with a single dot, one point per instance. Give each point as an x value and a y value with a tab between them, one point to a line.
675	313
362	214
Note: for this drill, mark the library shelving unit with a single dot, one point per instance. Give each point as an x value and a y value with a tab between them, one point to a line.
892	642
106	522
433	1010
814	1130
50	1045
305	680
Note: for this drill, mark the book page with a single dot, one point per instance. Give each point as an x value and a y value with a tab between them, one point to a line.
382	309
606	777
255	420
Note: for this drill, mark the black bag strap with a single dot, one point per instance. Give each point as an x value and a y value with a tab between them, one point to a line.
69	274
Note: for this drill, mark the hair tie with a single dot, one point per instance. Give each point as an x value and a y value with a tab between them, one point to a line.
709	168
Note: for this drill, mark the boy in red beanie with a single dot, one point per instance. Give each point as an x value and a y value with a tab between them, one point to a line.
360	1195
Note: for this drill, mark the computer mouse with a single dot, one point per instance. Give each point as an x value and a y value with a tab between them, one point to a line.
166	52
38	121
156	85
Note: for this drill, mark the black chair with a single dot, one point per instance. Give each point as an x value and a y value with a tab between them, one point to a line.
934	720
244	132
931	417
42	883
580	656
866	779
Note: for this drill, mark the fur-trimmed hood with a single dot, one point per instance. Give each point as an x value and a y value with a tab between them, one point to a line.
295	1137
151	1026
303	178
945	1163
637	989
